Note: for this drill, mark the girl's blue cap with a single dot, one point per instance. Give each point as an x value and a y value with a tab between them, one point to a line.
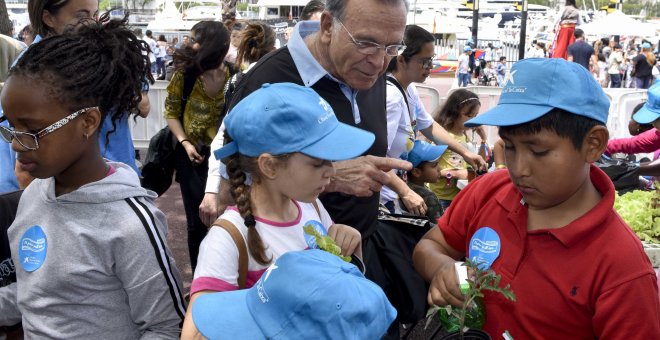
651	109
285	118
309	294
536	86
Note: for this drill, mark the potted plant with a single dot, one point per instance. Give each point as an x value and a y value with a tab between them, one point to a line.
466	322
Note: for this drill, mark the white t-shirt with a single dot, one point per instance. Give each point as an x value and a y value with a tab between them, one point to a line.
463	63
152	47
217	263
400	134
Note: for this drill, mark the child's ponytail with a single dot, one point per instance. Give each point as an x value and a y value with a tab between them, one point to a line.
241	195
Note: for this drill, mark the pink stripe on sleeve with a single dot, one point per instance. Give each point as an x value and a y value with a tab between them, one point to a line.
211	283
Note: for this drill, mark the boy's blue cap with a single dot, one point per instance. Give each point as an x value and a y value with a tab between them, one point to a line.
284	118
467	48
651	109
535	86
425	152
309	294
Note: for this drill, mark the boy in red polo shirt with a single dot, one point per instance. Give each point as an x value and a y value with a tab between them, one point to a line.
547	225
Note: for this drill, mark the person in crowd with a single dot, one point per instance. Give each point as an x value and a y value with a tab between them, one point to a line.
47	17
257	39
313	10
185	41
566	36
463	69
551	210
161	56
406	116
289	170
10	49
317	309
87	239
615	66
232	53
459	107
26	35
8	206
153	49
195	124
580	51
642	67
424	158
645	138
500	69
602	70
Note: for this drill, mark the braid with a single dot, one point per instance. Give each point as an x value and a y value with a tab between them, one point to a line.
241	195
98	63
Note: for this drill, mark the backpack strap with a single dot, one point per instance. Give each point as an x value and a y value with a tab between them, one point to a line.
316	206
242	249
188	83
394	82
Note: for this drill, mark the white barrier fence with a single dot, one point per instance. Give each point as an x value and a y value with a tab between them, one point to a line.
622	103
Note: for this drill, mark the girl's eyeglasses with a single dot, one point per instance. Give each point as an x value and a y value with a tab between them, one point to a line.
426	62
29	140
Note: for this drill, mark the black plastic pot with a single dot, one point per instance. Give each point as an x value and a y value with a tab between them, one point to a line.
472	334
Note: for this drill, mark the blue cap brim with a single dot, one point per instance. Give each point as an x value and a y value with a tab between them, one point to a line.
225	315
344	142
226	150
509	114
645	116
436	152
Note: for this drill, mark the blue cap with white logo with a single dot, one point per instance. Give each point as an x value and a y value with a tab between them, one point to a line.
309	294
651	109
425	152
284	118
536	86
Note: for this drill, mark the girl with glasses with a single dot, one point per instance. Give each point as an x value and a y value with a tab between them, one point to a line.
87	242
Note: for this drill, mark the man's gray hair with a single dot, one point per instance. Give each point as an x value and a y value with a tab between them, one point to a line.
337	7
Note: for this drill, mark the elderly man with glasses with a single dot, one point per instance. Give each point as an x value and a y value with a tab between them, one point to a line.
343	57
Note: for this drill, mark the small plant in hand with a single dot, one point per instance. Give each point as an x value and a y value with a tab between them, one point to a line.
325	242
472	314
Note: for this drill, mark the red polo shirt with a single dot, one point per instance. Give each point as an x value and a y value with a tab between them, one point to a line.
588	279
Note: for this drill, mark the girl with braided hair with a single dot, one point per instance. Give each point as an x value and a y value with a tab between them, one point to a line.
88	241
290	164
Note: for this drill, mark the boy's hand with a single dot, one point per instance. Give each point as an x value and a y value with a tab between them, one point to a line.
444	287
347	238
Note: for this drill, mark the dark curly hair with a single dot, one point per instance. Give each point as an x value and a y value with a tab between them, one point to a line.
213	39
99	63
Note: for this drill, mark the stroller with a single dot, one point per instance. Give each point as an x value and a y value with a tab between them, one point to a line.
487	75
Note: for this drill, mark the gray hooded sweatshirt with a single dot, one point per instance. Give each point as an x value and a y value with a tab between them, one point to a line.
93	263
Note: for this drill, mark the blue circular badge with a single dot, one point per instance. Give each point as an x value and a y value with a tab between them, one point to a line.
484	247
32	249
311	241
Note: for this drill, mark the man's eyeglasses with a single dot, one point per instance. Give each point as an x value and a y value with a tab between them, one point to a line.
426	62
370	47
29	140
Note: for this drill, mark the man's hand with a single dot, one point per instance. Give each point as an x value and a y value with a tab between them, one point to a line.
208	210
347	238
364	175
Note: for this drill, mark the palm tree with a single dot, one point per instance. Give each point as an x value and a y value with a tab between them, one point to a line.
5	23
228	13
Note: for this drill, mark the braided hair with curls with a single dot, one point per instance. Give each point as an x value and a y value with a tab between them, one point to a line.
257	40
237	166
98	63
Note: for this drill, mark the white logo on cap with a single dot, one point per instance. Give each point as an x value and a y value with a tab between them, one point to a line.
269	270
327	109
509	78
